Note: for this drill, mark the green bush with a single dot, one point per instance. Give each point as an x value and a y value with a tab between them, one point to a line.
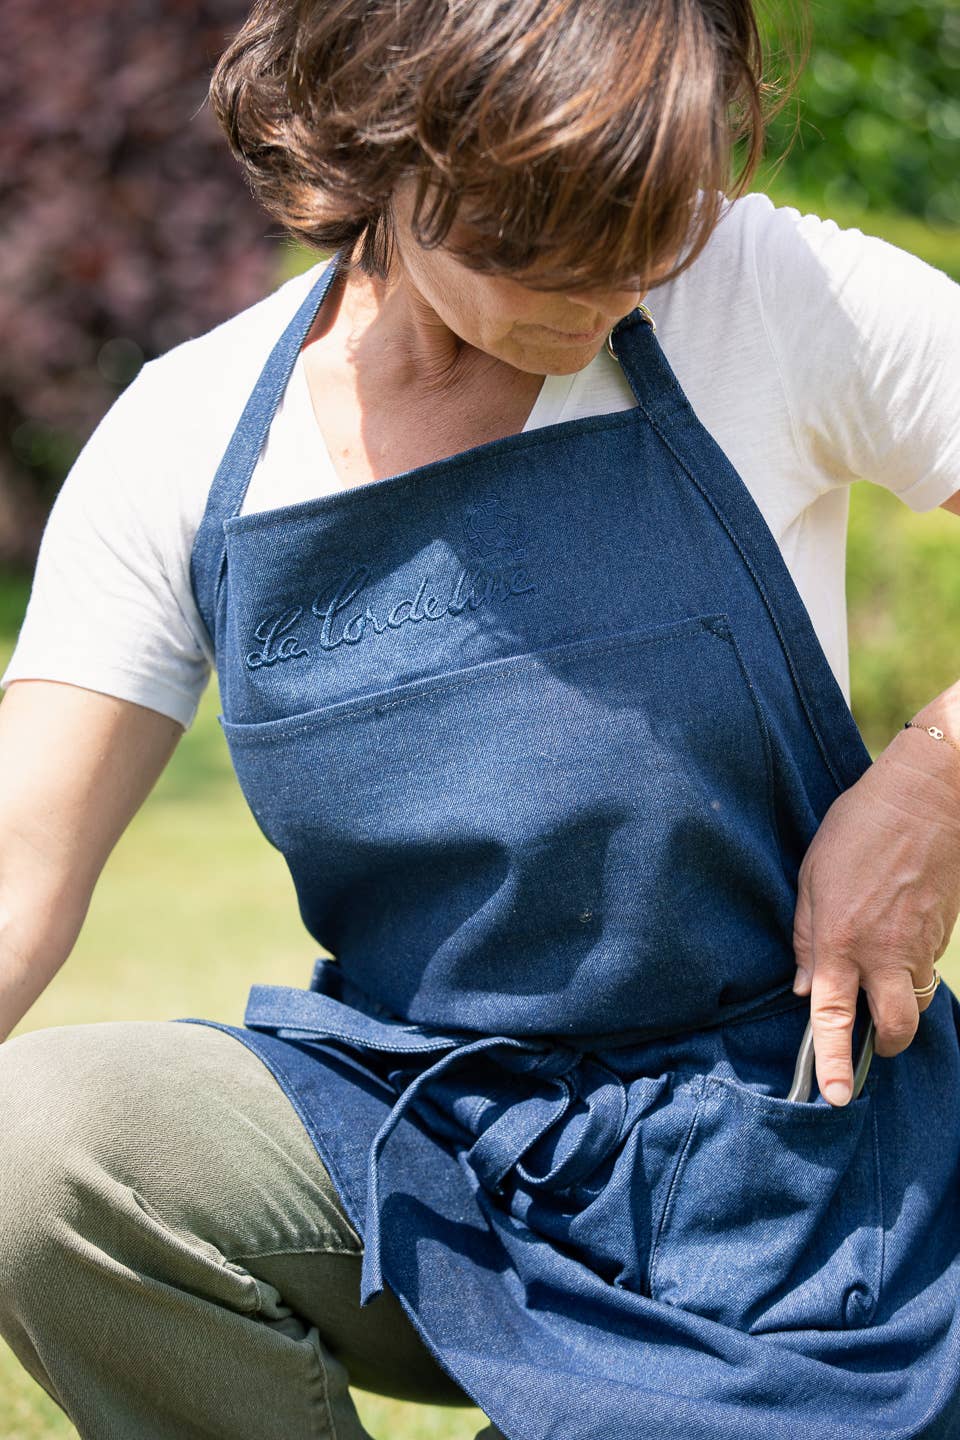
879	106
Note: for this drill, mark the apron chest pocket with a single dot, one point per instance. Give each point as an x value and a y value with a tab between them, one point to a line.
670	699
773	1219
534	825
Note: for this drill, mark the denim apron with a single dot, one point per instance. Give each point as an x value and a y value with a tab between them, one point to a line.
543	730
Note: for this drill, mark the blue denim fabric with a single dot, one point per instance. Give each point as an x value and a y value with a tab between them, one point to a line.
544	730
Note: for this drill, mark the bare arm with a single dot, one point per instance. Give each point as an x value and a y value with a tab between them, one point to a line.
75	766
879	891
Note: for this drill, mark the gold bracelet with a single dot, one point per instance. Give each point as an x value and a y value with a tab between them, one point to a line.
933	730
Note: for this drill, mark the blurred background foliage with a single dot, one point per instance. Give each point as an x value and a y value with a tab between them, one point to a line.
125	227
124	224
879	108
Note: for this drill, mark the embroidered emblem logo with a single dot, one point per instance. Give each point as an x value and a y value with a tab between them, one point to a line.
495	533
496	537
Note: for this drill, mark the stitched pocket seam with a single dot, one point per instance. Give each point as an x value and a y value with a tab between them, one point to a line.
674	1182
289	726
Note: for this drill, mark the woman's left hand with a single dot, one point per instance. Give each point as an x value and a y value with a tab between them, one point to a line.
879	895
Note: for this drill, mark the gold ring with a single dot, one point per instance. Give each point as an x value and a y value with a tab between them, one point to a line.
928	989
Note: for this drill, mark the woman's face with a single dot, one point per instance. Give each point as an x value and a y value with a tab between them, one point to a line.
543	332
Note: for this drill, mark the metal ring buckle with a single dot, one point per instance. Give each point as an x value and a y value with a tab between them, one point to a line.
648	317
644	315
803	1073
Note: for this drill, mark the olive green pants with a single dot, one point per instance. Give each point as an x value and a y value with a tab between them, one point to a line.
174	1261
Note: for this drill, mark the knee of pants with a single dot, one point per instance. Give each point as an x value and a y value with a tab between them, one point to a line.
32	1179
127	1135
75	1127
51	1111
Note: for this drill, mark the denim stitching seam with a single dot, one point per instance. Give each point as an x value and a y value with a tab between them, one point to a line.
595	645
655	1248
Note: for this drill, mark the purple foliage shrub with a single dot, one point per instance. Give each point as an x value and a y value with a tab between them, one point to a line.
125	224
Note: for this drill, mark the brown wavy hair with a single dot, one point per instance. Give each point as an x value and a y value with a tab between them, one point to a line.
590	142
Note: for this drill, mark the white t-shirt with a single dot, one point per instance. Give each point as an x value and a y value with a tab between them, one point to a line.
815	356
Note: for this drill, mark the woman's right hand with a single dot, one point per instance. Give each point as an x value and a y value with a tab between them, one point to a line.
75	766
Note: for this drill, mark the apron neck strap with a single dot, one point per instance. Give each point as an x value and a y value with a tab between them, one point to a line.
208	556
237	466
634	343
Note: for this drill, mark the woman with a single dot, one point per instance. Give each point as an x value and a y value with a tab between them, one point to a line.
520	631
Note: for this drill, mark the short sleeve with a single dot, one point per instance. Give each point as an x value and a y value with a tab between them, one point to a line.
867	340
105	609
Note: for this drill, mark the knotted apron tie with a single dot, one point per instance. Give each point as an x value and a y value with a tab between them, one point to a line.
312	1017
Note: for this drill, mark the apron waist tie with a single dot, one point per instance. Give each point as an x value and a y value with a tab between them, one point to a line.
310	1016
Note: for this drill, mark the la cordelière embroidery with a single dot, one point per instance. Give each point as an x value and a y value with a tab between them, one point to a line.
471	589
